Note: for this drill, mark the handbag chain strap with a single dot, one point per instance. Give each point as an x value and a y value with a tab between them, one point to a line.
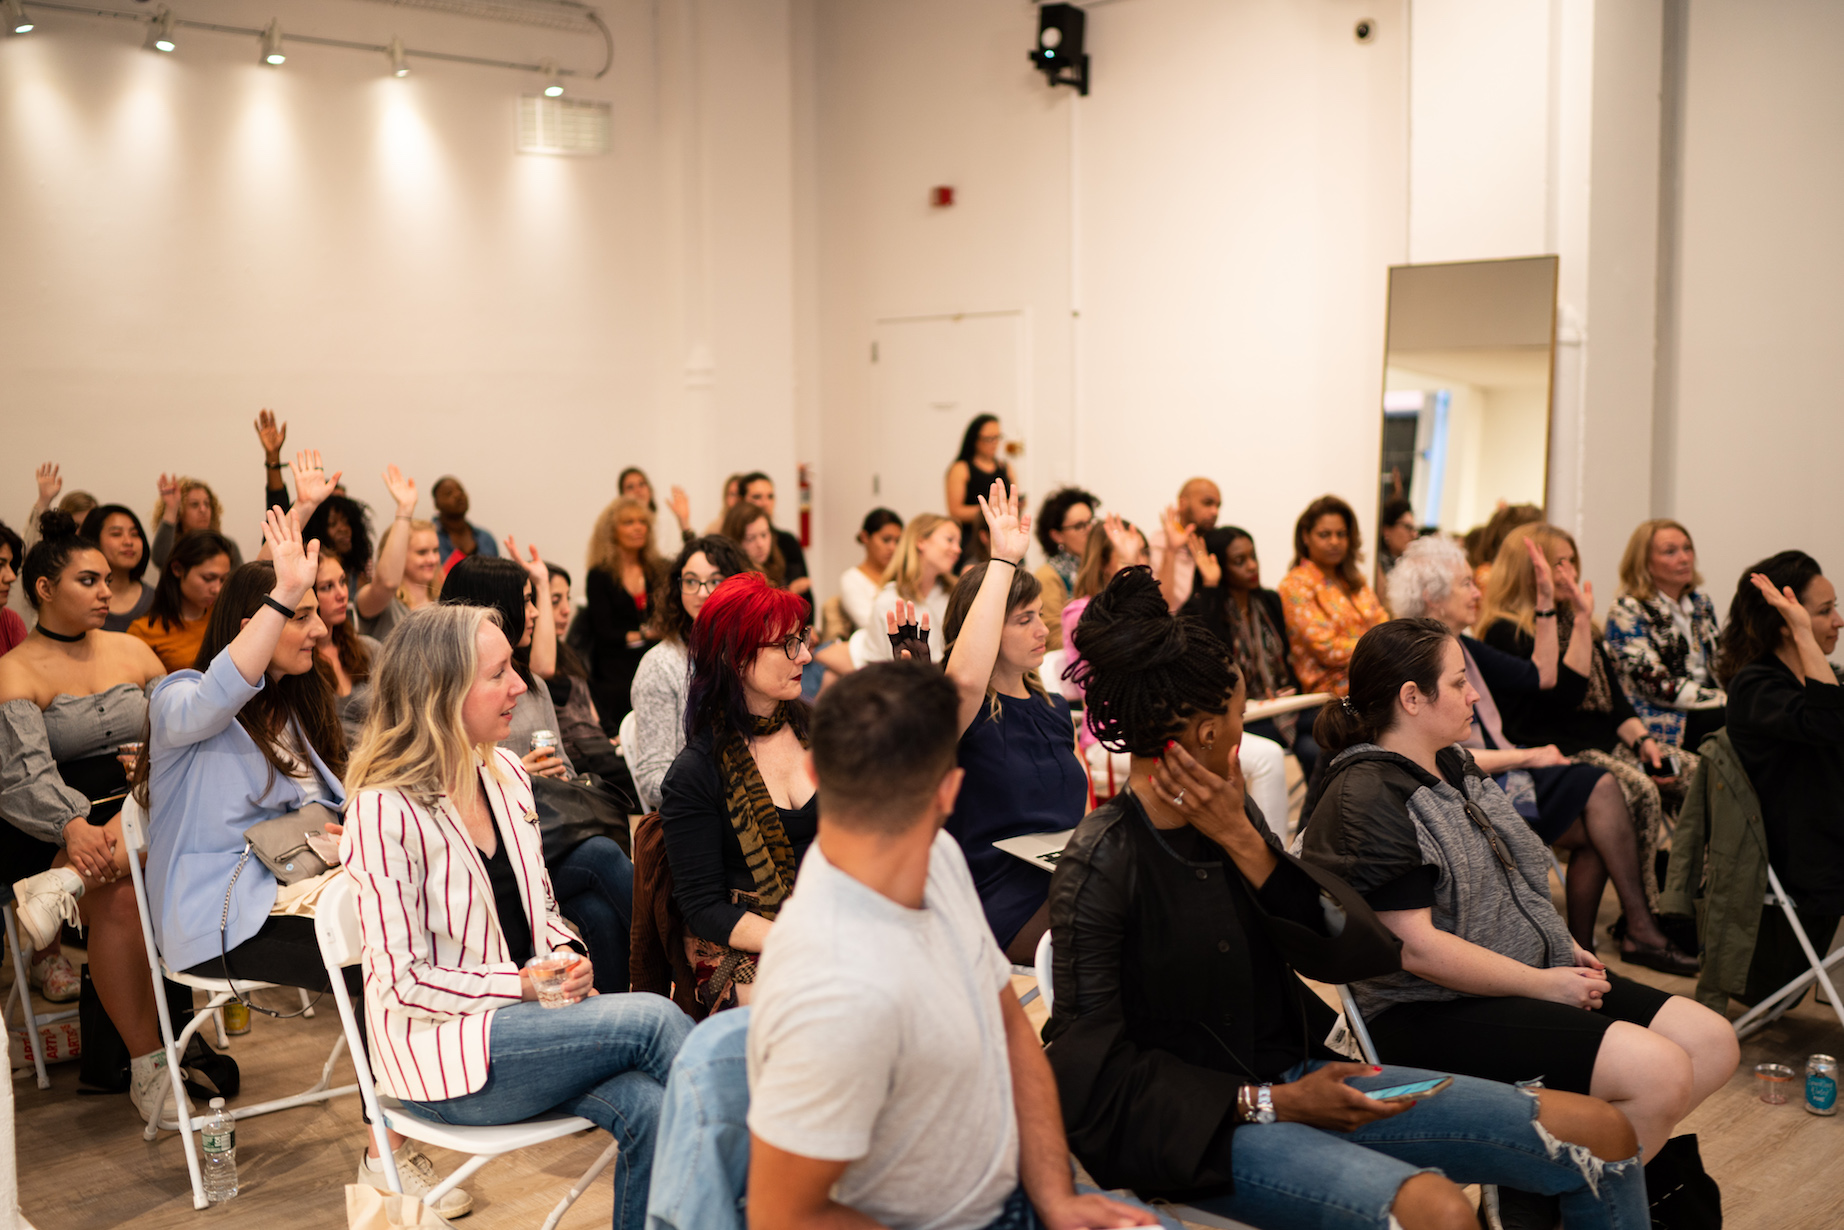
224	956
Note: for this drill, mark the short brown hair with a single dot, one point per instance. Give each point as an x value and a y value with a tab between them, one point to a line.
883	738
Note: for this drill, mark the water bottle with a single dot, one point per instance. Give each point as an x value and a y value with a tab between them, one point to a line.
218	1138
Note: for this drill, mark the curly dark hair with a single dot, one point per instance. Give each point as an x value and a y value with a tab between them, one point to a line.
669	600
1144	671
1056	506
1753	628
357	557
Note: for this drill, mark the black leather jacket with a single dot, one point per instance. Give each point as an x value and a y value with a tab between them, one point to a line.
1153	977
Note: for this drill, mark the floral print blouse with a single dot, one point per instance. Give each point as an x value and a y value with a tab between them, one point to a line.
1666	658
1324	623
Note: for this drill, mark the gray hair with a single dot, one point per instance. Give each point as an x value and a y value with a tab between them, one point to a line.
1423	575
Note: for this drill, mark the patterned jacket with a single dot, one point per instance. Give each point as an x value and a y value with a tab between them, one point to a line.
1653	657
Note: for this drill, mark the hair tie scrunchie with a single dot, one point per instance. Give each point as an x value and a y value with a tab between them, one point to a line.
1349	707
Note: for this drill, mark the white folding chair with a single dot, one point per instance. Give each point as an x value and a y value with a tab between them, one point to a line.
31	1021
336	924
1183	1212
134	833
1776	1005
625	733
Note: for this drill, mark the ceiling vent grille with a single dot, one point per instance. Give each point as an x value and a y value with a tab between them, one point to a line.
563	125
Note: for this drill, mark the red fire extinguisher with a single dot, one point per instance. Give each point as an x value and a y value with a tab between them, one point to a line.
806	505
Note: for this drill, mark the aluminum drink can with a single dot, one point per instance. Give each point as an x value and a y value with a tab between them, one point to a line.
541	739
1822	1085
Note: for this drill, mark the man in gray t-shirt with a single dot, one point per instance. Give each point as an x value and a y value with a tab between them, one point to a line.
891	1069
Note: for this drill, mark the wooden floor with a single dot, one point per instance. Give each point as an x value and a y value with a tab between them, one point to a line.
84	1166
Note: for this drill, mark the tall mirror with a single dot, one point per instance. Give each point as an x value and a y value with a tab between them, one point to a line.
1466	394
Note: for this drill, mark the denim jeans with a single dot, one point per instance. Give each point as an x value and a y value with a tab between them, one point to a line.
605	1058
1289	1175
701	1164
595	890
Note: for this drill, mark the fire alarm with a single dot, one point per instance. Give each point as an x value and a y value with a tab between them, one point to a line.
941	196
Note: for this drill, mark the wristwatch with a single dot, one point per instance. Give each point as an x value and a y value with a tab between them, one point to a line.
1256	1103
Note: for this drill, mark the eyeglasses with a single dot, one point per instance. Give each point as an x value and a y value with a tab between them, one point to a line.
1484	824
692	585
1076	527
794	644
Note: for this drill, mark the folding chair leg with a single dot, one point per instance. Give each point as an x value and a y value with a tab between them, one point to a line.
582	1185
1818	970
307	1004
217	1016
22	987
462	1174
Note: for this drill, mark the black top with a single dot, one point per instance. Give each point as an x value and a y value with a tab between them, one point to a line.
702	847
792	555
1533	719
508	905
1789	734
613	613
1175	985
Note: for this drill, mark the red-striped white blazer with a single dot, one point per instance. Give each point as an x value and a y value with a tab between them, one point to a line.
436	965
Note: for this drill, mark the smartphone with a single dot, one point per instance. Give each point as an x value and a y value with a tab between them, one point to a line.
1667	766
1413	1092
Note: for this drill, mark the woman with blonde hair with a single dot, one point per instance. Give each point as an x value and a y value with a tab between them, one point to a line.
186	506
623	569
921	573
1662	631
1586	715
455	1028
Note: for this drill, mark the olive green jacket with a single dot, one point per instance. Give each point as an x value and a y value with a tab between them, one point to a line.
1719	869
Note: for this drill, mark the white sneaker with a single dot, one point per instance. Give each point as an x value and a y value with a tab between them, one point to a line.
152	1089
44	903
418	1176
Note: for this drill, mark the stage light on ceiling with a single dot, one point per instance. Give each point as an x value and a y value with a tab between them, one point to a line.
160	32
16	19
272	43
400	67
1059	53
553	87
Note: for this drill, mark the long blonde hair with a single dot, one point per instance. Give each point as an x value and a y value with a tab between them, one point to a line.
434	587
606	553
1636	560
906	562
186	487
1511	593
413	738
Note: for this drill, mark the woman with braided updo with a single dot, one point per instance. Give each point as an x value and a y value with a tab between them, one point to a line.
1185	1046
1017	742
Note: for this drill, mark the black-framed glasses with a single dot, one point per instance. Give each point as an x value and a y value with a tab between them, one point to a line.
792	645
1076	527
1484	823
692	585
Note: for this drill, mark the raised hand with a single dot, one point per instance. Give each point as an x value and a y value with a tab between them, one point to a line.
908	635
1546	579
1125	542
1578	594
1176	531
169	496
295	562
50	482
1785	601
680	504
312	485
402	489
1009	527
272	435
1208	570
533	566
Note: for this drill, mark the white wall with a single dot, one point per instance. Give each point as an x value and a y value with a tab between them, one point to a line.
1238	186
1759	430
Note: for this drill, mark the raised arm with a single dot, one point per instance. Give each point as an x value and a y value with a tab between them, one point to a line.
976	649
543	659
376	594
1581	634
273	436
1799	622
1175	535
1544	656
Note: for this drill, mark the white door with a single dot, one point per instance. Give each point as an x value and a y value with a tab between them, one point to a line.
932	375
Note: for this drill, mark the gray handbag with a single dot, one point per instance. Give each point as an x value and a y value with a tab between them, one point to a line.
281	844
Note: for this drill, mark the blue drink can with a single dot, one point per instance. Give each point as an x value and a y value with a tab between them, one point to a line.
1822	1085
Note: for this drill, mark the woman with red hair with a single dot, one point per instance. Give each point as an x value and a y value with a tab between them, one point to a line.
737	808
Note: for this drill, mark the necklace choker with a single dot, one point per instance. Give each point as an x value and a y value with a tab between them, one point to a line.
59	636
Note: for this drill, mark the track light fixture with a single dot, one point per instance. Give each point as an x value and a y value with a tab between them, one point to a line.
552	85
1059	53
400	67
272	43
16	20
160	31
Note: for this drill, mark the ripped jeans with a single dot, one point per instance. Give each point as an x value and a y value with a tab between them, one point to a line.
1288	1175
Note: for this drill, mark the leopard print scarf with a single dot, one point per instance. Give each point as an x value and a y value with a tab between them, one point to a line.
767	851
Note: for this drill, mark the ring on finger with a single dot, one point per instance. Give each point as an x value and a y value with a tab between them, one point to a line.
1178	798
